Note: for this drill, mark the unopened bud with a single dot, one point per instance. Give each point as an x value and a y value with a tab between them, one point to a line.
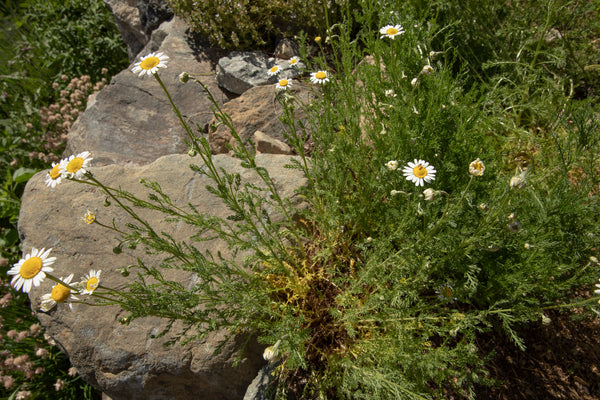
184	77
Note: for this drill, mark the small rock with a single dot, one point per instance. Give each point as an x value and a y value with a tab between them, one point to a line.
267	144
286	49
240	71
258	110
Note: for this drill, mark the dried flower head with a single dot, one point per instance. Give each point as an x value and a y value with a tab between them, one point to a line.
476	168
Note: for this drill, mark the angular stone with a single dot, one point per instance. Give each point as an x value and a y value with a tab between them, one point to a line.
124	361
267	144
240	71
258	109
127	19
153	13
286	49
131	120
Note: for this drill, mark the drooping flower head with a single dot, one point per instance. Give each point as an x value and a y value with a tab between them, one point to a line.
391	31
274	70
418	172
31	270
59	294
283	84
75	166
54	176
427	70
518	181
477	168
150	64
91	281
320	77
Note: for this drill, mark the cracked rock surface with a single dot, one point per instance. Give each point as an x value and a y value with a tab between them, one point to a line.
125	361
130	121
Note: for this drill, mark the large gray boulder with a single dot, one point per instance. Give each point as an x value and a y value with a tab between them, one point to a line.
131	121
125	361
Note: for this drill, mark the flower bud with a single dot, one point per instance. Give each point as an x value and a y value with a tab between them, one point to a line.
184	77
429	194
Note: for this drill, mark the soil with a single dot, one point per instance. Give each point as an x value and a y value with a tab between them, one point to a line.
562	361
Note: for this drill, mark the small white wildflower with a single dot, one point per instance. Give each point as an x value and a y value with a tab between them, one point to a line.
391	31
392	165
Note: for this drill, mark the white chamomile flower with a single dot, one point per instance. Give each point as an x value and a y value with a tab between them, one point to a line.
390	93
392	165
150	64
59	294
75	166
477	168
91	281
54	176
31	270
418	172
391	31
294	61
320	77
283	84
274	70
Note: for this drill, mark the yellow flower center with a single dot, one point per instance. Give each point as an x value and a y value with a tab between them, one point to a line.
420	171
75	165
446	292
391	31
321	75
478	165
293	61
60	293
54	173
283	82
149	62
274	69
90	218
92	283
31	267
